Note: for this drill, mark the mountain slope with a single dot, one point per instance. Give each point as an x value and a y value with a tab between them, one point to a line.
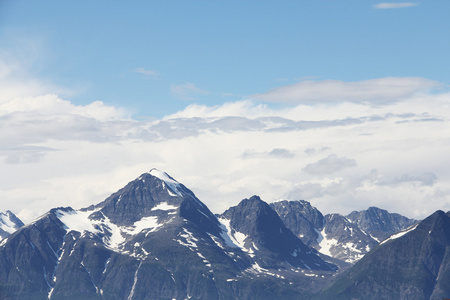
343	240
304	220
333	234
258	228
9	223
153	239
379	223
414	264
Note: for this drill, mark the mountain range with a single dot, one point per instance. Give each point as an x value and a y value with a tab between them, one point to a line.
154	239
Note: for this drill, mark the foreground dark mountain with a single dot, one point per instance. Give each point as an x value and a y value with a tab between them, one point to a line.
9	223
414	264
154	239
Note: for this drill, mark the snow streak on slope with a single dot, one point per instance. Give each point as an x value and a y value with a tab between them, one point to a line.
171	183
7	224
234	238
399	234
116	235
325	244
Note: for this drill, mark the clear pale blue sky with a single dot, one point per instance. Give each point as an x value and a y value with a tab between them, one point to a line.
227	49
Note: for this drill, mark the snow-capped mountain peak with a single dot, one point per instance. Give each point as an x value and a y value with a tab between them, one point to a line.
9	223
173	185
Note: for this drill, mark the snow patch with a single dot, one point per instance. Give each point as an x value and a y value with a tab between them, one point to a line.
113	235
190	239
172	184
144	223
3	242
400	234
216	241
6	224
257	269
76	220
130	296
164	206
325	244
232	237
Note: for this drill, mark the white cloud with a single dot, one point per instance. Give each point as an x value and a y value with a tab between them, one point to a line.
380	91
331	164
394	5
186	91
55	153
147	72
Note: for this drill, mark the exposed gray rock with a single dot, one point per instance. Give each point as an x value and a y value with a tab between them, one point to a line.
343	240
414	264
154	239
304	220
379	223
268	237
9	223
332	235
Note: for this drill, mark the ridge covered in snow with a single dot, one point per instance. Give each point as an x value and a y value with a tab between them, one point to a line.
171	183
9	223
400	234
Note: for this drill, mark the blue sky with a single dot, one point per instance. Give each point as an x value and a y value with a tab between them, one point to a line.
135	55
345	104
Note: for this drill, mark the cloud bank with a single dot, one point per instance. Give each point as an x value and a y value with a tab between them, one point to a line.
340	155
379	91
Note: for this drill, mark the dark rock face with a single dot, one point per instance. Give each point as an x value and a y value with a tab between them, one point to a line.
411	265
154	239
267	235
333	235
379	223
304	220
9	223
139	198
29	257
344	240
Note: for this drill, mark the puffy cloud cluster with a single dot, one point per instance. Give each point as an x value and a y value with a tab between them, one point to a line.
341	154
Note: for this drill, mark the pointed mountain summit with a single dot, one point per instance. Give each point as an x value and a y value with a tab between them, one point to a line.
9	223
151	239
412	264
257	228
155	194
379	223
303	219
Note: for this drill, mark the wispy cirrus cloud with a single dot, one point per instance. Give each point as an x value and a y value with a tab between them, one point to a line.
395	5
374	91
186	91
147	72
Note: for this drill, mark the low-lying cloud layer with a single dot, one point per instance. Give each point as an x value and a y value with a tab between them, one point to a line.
380	91
382	142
